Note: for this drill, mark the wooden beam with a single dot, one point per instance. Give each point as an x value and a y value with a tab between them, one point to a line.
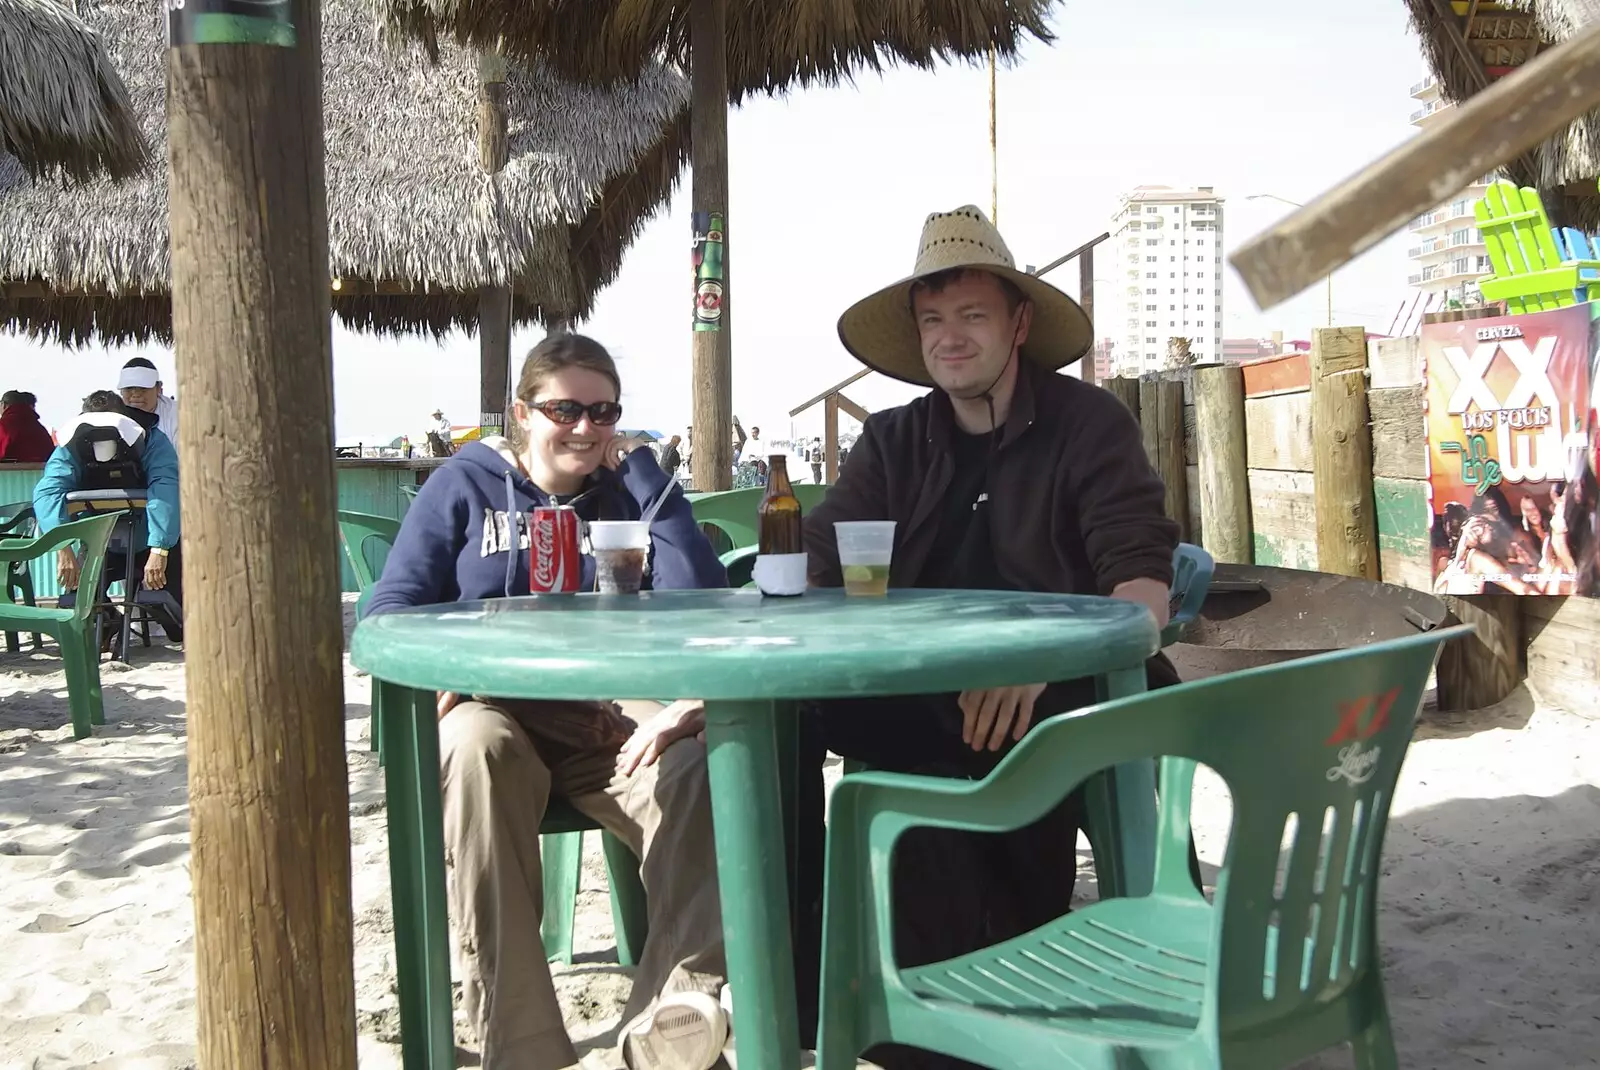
269	804
1486	132
834	389
851	407
830	439
494	302
1161	418
1058	261
1451	26
1086	300
710	346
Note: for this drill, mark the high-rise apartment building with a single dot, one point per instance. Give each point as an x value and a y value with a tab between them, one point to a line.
1168	245
1447	252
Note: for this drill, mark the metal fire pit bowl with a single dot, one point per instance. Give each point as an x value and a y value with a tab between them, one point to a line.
1258	615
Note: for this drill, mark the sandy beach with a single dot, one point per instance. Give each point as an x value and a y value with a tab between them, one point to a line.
1489	908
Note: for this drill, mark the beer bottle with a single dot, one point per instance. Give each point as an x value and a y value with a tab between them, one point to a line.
778	517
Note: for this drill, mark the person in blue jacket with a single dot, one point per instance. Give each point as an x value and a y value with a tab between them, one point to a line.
156	528
636	768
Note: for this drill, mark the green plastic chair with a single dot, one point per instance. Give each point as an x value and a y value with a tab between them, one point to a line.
1283	965
73	629
1531	272
16	522
733	512
561	832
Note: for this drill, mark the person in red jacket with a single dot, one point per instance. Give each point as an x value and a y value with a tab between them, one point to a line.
22	436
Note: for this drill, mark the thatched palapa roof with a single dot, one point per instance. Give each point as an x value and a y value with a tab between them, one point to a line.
1501	37
408	202
62	105
773	45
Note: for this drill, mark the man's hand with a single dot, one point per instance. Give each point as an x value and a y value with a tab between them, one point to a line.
67	569
447	701
155	572
680	720
988	715
1152	594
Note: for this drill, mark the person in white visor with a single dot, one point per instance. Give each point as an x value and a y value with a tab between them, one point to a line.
140	386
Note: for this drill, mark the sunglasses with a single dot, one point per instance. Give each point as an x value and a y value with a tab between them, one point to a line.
568	412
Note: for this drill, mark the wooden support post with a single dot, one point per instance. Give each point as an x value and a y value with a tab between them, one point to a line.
1481	669
268	797
1161	417
1224	476
1127	391
830	439
1341	457
1086	299
712	350
494	302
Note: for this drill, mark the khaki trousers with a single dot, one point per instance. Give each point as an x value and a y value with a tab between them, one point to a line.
496	783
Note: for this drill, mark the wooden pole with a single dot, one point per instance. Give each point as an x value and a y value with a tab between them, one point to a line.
830	439
1161	418
712	348
268	799
1491	129
1483	668
994	142
1086	299
1224	474
494	302
1127	391
1341	459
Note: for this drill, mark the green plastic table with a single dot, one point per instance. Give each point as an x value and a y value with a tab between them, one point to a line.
751	658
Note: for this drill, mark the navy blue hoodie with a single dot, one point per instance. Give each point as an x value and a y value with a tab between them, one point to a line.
453	543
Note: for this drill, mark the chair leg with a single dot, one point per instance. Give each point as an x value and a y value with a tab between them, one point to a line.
83	683
561	858
630	916
25	584
1373	1047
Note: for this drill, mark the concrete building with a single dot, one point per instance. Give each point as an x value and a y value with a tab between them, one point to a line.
1239	350
1168	246
1447	252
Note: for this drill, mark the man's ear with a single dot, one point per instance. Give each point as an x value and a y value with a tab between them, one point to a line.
1024	321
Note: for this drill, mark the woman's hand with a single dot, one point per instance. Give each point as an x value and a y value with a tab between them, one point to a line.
447	701
680	720
617	451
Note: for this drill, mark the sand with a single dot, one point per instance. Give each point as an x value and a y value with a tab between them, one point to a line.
1490	911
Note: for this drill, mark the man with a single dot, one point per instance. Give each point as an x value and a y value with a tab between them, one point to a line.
1006	477
441	437
671	457
22	437
156	528
814	454
141	388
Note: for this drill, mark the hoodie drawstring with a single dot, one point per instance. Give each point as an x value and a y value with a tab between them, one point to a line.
511	533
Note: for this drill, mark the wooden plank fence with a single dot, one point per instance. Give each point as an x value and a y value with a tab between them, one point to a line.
1558	639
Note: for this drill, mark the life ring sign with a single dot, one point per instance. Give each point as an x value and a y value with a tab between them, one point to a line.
231	22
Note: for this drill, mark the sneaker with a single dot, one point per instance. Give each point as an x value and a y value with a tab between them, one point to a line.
686	1031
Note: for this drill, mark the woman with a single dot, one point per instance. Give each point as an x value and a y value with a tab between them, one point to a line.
637	769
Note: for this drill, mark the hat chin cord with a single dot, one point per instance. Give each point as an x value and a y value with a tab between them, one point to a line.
988	391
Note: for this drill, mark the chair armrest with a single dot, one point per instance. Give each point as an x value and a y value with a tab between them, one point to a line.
740	563
39	545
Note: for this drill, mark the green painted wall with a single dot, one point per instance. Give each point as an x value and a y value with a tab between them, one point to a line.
364	488
1403	518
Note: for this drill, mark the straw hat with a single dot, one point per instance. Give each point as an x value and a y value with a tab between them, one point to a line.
881	332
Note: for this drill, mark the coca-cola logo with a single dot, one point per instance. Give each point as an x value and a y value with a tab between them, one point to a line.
546	570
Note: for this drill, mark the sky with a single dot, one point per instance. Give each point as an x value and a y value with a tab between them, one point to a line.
829	189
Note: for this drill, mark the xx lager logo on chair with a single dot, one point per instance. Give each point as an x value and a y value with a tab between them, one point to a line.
1359	720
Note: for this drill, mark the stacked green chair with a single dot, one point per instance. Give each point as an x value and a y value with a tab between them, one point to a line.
16	522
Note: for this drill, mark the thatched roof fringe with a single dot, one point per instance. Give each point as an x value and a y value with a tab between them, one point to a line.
773	45
407	198
62	105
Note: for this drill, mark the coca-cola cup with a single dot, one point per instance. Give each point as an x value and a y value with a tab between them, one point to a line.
619	548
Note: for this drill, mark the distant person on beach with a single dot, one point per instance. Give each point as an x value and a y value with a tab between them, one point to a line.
671	457
1006	476
637	768
816	458
107	447
22	437
141	388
